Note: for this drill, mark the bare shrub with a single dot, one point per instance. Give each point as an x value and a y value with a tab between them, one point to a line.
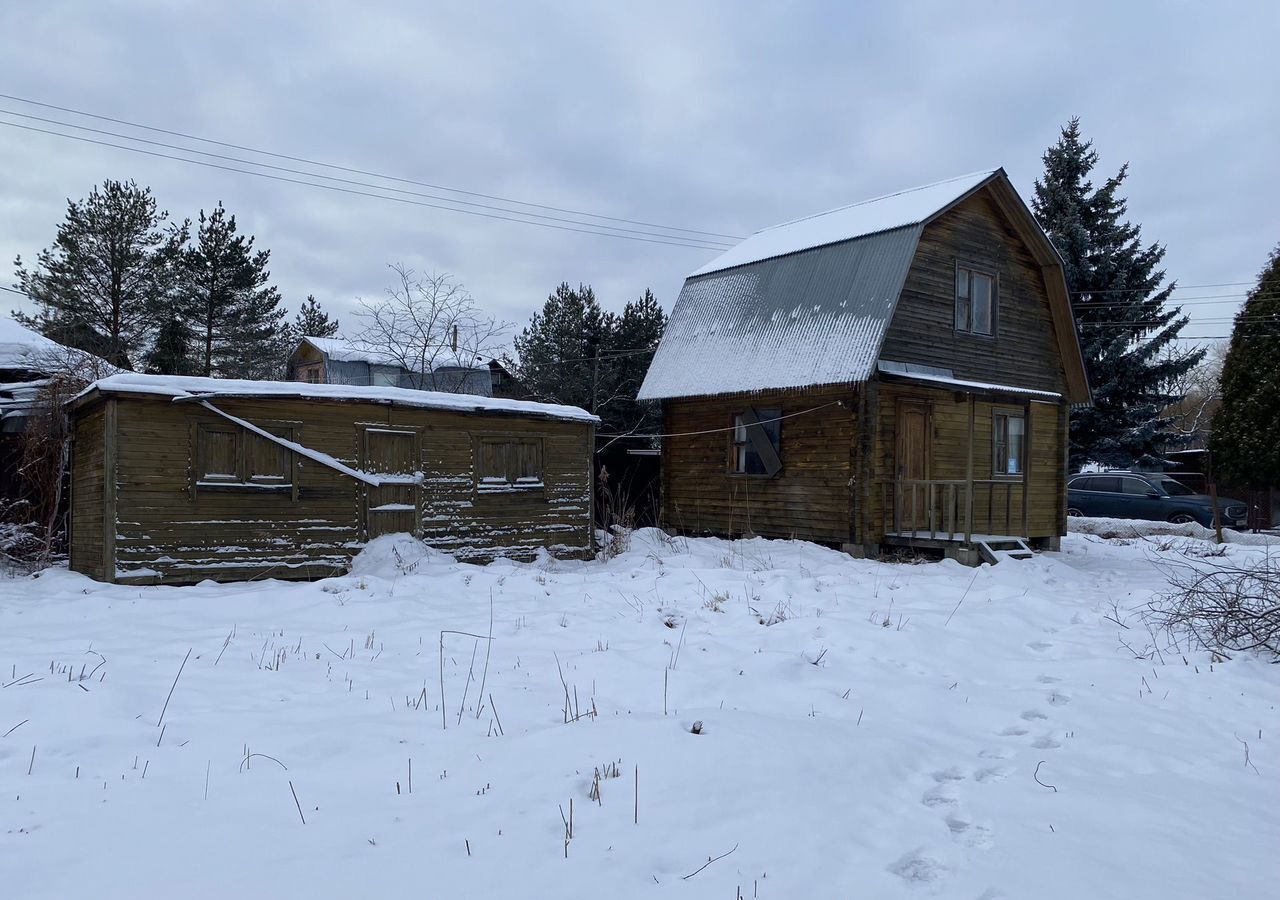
1221	604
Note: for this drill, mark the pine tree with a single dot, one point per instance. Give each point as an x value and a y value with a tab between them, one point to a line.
1245	443
109	271
171	353
1119	302
313	321
234	312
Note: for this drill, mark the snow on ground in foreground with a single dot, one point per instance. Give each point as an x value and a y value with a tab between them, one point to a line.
880	739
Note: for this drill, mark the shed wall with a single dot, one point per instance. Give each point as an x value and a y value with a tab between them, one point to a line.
171	530
87	486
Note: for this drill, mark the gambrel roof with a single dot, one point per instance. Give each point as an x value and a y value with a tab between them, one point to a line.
808	303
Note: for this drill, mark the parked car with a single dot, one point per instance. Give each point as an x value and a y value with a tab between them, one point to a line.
1140	495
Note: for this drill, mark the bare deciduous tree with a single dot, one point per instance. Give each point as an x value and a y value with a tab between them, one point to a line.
431	326
1199	394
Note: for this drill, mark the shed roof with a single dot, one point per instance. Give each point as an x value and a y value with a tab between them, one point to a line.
181	387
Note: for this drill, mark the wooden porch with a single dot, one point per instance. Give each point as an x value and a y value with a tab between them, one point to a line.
984	519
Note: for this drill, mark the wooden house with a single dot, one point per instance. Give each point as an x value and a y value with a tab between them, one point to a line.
319	360
182	479
896	372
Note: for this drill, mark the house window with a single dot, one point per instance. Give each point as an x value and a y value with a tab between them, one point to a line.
504	465
227	456
757	446
976	296
1010	444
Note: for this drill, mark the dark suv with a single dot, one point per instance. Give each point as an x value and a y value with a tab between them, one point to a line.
1135	495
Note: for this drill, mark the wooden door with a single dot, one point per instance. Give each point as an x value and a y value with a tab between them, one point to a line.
911	464
392	506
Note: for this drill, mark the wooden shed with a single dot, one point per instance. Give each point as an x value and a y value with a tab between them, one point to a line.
898	372
180	479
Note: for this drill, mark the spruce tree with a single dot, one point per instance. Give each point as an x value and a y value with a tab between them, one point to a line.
171	353
102	285
234	311
313	321
1245	443
560	351
636	338
1118	296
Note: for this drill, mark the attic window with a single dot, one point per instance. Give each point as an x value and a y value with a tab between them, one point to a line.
976	297
756	446
227	456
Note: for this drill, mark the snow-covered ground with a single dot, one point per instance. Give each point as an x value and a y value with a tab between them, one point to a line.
866	730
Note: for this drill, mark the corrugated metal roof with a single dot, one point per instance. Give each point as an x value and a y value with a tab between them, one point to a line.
808	318
910	207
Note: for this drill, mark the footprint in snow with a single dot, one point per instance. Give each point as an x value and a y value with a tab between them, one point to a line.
1057	698
1046	743
994	753
951	774
991	774
1032	715
1039	646
1047	679
1014	731
919	868
939	796
970	834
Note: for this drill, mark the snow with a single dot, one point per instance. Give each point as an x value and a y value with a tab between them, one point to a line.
909	207
191	388
22	348
937	377
1143	528
898	731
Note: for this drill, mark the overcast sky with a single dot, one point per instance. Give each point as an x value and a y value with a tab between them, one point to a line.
717	117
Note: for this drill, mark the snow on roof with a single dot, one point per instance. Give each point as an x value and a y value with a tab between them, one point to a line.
22	348
812	318
190	387
945	377
909	207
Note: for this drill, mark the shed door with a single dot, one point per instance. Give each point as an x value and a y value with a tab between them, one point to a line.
914	430
392	506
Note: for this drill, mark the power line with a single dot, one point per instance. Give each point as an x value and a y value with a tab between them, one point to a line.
342	190
1180	287
249	162
355	171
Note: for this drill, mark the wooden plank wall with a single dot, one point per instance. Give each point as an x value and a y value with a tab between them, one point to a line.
950	440
811	498
169	530
87	485
1024	351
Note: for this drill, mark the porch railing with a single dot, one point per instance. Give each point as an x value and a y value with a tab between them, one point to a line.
942	508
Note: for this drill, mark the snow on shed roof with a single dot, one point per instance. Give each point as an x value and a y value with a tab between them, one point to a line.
909	207
190	387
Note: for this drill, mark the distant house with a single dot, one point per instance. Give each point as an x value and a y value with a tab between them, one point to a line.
896	372
29	361
336	361
179	479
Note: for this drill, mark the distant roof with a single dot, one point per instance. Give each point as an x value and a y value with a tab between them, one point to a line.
909	207
343	350
22	348
190	387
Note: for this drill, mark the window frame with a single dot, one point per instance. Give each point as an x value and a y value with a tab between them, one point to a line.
488	486
972	269
764	417
999	460
242	480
